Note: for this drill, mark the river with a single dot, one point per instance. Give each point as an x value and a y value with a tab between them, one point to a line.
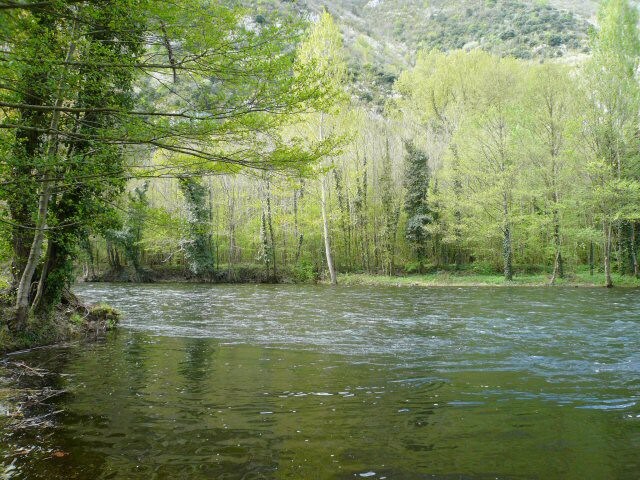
314	382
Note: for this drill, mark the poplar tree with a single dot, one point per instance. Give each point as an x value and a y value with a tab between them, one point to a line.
613	104
323	51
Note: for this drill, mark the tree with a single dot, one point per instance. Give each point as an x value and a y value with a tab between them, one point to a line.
75	116
437	95
416	203
323	51
390	209
472	122
198	246
129	238
613	101
549	118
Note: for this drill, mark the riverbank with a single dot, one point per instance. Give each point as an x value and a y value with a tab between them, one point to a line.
71	321
307	274
241	273
450	279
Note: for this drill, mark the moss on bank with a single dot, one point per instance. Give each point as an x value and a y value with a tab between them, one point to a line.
71	321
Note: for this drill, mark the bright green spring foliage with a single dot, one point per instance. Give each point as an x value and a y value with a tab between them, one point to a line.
612	96
90	89
534	159
129	236
479	162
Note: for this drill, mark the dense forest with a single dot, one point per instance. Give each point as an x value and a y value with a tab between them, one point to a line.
147	140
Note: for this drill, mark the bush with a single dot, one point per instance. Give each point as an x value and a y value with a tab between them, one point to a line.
305	272
483	268
413	267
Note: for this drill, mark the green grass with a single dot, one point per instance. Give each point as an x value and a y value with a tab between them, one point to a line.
581	279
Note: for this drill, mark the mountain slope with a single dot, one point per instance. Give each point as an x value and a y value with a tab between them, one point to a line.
383	36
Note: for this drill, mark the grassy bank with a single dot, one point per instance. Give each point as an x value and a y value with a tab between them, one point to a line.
582	279
307	274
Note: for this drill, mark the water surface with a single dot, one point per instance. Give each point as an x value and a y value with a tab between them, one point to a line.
262	382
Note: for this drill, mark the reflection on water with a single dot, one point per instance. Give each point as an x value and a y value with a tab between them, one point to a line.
253	382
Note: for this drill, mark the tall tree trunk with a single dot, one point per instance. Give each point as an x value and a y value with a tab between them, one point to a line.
364	220
24	196
556	269
345	225
271	235
299	249
21	235
507	254
296	233
325	219
43	277
457	214
295	214
558	263
24	287
325	229
634	255
607	254
507	250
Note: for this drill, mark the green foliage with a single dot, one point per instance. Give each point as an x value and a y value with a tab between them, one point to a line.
305	272
505	27
265	254
510	162
381	38
88	101
416	203
199	244
390	209
482	268
129	237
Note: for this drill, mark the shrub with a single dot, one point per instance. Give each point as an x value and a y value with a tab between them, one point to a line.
305	272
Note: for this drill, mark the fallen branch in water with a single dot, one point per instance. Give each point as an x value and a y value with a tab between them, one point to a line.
41	421
39	372
27	404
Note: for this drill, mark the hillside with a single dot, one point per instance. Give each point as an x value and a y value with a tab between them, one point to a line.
507	27
382	36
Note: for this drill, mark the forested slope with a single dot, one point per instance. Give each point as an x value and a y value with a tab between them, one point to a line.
383	36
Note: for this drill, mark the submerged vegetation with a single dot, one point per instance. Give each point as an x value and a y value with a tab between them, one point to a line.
214	142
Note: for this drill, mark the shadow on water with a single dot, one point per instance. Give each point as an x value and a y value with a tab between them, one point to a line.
261	382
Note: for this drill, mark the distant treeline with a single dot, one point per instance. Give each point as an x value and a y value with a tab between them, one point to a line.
482	163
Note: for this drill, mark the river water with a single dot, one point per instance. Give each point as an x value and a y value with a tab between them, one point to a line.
312	382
